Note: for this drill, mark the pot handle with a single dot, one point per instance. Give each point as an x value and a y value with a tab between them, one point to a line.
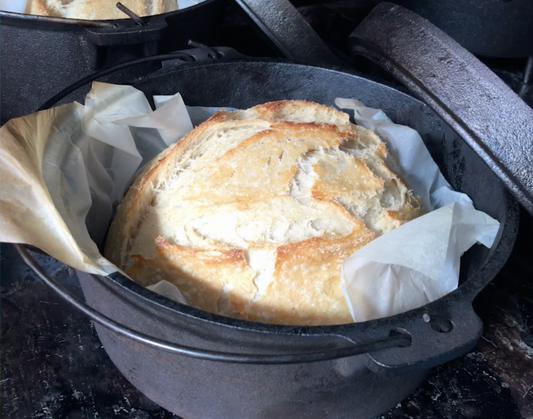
151	29
287	30
465	93
393	340
440	331
201	53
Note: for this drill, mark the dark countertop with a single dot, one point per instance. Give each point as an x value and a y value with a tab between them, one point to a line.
54	367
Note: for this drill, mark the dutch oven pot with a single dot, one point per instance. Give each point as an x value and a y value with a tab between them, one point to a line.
41	55
202	366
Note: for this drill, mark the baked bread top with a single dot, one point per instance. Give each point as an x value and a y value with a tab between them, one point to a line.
252	213
97	9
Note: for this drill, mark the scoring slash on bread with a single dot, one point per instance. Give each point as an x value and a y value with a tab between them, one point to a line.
252	213
97	9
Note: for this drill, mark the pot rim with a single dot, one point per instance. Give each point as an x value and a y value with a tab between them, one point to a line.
16	18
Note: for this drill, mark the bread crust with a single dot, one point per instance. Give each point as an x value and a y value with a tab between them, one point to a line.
97	9
252	213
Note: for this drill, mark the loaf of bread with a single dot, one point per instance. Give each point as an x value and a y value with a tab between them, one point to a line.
252	213
97	9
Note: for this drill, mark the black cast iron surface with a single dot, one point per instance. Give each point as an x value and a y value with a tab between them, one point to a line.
54	367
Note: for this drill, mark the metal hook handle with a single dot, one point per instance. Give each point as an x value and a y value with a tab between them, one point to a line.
130	14
392	341
287	30
212	52
102	73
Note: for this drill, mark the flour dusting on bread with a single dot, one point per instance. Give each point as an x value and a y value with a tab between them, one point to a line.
253	212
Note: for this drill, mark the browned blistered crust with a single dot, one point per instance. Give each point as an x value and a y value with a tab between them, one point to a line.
252	213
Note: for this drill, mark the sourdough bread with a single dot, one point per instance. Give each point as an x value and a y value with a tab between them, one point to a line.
252	213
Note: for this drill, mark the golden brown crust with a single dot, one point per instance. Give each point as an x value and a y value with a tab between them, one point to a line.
294	273
253	212
197	273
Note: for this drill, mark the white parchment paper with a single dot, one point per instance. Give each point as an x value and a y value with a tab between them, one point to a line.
67	167
418	262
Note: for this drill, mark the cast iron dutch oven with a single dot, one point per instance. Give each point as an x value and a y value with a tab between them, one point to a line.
204	366
40	54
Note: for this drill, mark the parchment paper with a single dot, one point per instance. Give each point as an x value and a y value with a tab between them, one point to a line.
67	167
418	262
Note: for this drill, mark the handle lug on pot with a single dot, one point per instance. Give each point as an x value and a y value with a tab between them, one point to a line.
152	30
439	332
